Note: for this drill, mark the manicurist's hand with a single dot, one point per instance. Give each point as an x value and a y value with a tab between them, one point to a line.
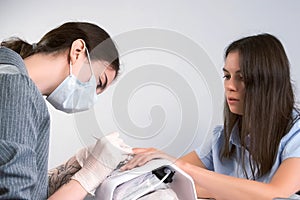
99	161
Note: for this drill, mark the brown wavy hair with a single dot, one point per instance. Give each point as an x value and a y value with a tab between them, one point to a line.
268	105
60	39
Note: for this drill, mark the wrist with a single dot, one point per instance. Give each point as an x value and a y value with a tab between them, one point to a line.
90	178
73	189
87	180
182	164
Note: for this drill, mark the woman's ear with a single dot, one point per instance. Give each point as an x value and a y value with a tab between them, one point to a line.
77	52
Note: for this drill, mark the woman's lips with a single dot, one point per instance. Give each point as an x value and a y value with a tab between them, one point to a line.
232	100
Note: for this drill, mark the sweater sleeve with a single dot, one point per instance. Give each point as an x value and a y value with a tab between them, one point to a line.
18	133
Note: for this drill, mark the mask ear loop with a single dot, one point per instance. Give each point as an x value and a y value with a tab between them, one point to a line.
71	72
90	62
89	59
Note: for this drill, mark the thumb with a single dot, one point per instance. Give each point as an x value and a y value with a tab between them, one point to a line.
82	155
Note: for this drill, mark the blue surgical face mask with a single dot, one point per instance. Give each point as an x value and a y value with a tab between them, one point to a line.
72	95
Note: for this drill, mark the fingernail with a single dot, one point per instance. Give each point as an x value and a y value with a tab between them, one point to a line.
122	168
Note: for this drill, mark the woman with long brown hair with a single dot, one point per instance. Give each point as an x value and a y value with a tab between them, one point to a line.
256	153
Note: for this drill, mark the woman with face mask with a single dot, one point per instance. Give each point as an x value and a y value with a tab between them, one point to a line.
70	65
255	154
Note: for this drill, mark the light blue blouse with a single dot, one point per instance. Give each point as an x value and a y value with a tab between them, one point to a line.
210	156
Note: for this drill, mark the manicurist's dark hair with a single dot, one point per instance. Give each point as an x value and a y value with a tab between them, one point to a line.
61	38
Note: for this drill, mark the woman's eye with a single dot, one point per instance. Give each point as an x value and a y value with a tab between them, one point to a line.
226	76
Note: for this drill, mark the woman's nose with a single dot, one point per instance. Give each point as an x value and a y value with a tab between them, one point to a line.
231	85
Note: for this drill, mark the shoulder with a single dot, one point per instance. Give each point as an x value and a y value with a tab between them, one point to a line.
14	81
18	92
218	133
218	130
295	129
14	76
289	144
9	57
217	137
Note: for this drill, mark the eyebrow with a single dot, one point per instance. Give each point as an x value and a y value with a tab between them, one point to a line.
225	70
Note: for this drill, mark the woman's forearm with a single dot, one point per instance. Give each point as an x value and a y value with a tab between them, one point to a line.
227	187
62	175
69	191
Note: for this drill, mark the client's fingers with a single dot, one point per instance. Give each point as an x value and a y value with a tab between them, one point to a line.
143	150
136	161
141	158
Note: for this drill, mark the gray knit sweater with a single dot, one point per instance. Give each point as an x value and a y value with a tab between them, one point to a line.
24	132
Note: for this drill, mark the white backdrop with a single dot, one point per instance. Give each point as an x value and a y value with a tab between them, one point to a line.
169	94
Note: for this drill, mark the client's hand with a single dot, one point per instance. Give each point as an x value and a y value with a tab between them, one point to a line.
99	161
144	155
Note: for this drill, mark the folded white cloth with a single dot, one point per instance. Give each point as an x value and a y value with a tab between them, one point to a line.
137	187
145	187
161	194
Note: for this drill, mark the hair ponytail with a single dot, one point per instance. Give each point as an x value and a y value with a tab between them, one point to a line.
20	46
